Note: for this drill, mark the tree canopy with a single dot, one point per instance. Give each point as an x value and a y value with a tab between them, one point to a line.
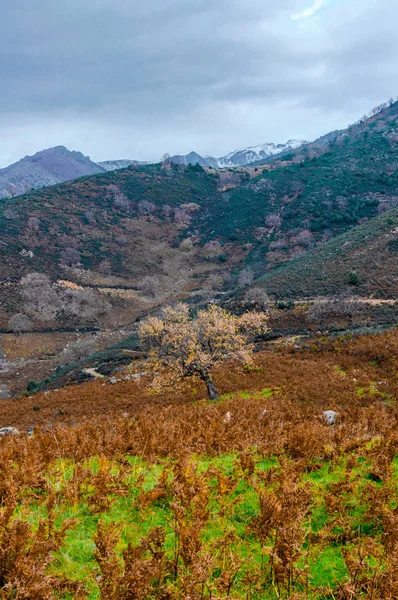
180	346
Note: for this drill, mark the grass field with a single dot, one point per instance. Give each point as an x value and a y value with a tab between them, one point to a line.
251	497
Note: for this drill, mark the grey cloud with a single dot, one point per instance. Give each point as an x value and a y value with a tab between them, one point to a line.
184	74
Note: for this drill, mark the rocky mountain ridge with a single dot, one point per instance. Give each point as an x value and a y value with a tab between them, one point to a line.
45	168
239	158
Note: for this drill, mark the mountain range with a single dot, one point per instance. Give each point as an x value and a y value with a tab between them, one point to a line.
239	158
45	168
56	165
193	230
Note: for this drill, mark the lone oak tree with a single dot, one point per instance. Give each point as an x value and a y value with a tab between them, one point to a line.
180	346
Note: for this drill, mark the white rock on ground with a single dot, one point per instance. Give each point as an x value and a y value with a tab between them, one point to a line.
228	417
8	431
330	416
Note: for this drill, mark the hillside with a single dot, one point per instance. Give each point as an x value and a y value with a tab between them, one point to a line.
45	168
361	262
155	233
296	205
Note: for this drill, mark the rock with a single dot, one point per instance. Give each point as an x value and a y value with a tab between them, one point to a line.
227	418
113	380
330	416
262	414
138	375
30	430
8	431
5	392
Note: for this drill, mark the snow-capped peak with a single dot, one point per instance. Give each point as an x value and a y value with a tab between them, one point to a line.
251	154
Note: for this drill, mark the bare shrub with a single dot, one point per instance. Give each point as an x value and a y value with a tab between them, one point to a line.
186	244
34	223
258	298
212	249
11	213
121	201
246	277
190	207
19	323
215	282
40	297
305	238
146	208
104	267
149	286
166	212
260	233
85	305
90	217
273	221
70	257
326	313
182	218
75	351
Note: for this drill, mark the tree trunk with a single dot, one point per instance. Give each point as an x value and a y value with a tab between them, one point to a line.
211	388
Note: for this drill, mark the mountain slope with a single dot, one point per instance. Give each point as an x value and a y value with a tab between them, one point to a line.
191	232
112	165
253	154
45	168
287	210
369	252
194	159
238	158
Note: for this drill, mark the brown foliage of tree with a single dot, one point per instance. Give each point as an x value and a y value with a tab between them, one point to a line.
180	346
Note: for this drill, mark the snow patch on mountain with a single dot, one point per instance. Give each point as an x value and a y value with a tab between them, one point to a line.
252	154
239	158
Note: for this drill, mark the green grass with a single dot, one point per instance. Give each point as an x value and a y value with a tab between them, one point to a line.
76	559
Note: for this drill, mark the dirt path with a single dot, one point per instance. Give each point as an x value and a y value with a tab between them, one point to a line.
363	300
93	373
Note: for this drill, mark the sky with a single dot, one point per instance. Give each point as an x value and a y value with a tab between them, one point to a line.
136	79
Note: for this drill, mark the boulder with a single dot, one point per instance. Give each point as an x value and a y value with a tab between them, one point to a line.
330	416
8	431
227	418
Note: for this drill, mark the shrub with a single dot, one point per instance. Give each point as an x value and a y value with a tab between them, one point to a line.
353	278
19	323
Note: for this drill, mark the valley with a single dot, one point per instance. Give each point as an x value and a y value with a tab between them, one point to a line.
130	295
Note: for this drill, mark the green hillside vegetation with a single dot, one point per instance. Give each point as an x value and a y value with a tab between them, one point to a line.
91	215
362	262
325	195
120	223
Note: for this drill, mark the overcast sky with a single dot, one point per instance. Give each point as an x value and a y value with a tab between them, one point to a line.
135	79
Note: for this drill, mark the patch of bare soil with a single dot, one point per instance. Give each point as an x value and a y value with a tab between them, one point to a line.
34	356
